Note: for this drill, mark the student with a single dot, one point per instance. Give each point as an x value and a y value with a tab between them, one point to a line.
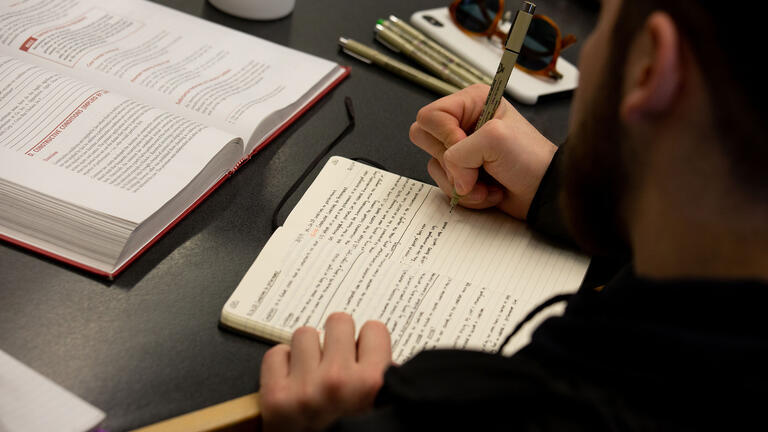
665	162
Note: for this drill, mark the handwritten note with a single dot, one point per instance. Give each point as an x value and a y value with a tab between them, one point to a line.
381	246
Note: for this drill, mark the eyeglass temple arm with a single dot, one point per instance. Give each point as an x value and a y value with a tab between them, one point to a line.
567	41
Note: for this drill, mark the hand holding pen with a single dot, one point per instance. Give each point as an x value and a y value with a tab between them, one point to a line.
508	148
512	47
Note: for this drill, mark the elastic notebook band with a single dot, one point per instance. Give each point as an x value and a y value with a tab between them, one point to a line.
320	156
556	299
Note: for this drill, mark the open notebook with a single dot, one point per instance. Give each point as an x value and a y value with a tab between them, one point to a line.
382	246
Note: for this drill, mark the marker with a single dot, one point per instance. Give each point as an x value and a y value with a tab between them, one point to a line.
371	56
456	74
396	43
512	47
438	49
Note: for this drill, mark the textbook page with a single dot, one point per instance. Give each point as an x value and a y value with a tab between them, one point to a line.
188	66
79	163
381	246
94	148
30	402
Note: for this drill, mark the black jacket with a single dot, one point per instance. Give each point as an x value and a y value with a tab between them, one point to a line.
633	355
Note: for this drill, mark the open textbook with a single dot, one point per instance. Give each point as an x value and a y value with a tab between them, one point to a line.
117	118
382	246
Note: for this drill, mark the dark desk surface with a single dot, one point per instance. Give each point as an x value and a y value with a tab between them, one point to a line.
146	346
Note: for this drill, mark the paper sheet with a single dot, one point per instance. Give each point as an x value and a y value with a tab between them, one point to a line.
381	246
30	402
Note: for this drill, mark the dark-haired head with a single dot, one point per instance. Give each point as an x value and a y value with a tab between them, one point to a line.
669	137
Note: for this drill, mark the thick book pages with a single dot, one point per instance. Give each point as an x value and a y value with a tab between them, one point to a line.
382	246
119	117
30	402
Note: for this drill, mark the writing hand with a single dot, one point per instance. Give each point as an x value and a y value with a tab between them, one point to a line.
306	387
508	147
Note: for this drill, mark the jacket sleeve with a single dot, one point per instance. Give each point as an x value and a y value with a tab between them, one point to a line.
546	216
466	390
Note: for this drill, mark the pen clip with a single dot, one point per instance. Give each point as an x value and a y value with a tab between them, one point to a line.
357	56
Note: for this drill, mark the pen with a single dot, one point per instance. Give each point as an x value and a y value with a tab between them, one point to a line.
370	55
456	73
438	49
396	43
512	47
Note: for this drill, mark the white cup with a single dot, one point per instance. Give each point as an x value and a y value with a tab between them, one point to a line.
255	9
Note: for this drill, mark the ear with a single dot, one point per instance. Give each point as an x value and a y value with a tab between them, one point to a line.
653	74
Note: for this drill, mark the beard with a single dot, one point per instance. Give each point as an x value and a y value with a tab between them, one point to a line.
596	170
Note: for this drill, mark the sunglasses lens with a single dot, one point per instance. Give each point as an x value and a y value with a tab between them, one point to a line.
476	16
539	45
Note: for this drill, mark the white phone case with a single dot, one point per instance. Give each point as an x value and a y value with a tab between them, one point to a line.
485	55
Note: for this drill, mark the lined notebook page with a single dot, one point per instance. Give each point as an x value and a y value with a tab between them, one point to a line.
31	402
381	246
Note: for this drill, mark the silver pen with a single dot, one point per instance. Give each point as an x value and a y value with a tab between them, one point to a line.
444	62
395	42
370	55
512	47
438	49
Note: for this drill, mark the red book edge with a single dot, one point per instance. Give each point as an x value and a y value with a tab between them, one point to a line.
112	275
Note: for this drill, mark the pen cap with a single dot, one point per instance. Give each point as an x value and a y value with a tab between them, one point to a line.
519	28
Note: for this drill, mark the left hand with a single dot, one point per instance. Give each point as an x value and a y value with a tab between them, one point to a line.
308	387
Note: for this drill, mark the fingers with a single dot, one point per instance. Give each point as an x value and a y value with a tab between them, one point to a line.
448	119
444	126
481	148
339	339
374	348
277	399
274	365
426	142
509	148
464	107
481	196
438	174
305	351
304	387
